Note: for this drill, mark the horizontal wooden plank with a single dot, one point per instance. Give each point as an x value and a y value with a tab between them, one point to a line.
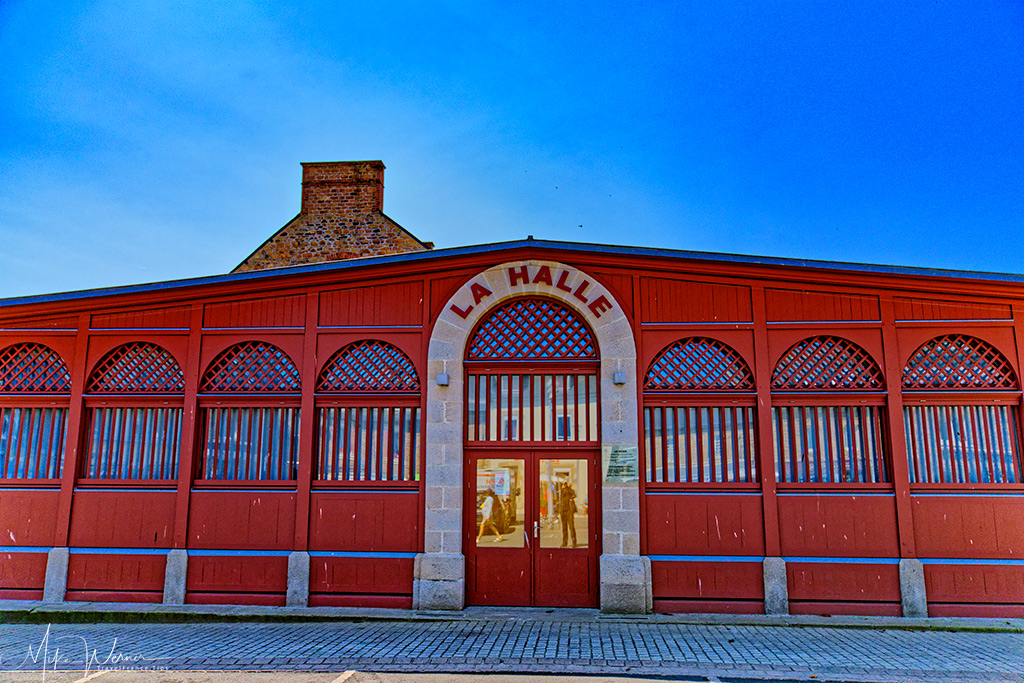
237	574
708	606
95	572
361	575
707	580
828	609
974	583
832	581
172	317
242	520
966	526
908	308
371	521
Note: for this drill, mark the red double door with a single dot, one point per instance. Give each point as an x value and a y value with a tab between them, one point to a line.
531	528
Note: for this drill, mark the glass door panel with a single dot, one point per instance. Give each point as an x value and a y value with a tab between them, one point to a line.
564	504
500	504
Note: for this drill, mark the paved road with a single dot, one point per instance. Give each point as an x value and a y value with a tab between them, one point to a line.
687	651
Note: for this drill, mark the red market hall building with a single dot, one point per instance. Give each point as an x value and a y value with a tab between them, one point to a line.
353	418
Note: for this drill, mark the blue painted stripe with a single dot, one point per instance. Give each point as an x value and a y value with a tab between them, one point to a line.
119	551
706	558
847	494
945	560
360	554
239	553
24	549
703	493
316	490
844	560
55	490
206	490
967	494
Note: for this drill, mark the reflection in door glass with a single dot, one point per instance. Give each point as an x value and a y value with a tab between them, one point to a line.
563	504
500	504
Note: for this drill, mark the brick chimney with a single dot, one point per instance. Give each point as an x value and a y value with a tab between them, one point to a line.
341	217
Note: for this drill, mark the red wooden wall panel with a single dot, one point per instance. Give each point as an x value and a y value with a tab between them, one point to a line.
801	305
69	322
22	575
969	526
678	301
117	577
394	304
620	285
122	519
361	575
237	574
239	520
948	583
696	524
28	517
833	581
443	288
279	311
908	308
172	317
707	581
838	526
365	521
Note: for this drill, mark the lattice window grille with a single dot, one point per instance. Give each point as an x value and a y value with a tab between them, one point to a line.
827	364
369	366
699	364
957	361
33	368
251	367
533	329
137	368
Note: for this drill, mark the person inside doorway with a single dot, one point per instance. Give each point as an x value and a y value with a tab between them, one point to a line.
567	509
489	510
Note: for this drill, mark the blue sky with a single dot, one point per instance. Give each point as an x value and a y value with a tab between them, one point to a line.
145	141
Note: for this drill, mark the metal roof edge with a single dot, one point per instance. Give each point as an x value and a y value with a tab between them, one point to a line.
586	247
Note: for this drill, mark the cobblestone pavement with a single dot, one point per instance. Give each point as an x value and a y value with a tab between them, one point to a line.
701	652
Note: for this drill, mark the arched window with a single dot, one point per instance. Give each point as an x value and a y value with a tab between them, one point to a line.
35	387
133	414
827	400
532	375
699	401
250	399
368	415
960	413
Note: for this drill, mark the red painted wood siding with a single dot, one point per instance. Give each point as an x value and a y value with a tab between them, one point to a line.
707	580
21	574
792	305
239	520
838	526
930	309
969	526
176	317
361	575
236	574
695	524
828	581
369	522
28	517
122	519
281	311
397	304
18	323
679	301
947	583
620	285
116	574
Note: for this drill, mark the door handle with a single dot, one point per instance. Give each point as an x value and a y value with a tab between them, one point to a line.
536	529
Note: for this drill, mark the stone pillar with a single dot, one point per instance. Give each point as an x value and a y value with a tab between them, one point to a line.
298	580
439	581
175	576
912	588
776	586
56	584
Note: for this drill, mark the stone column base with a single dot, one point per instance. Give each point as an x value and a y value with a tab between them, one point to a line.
626	584
439	581
56	584
175	577
912	588
776	587
298	580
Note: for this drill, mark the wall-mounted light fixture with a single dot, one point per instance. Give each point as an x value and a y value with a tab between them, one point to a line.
442	379
619	377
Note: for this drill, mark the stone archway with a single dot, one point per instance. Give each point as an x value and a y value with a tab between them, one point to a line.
439	577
